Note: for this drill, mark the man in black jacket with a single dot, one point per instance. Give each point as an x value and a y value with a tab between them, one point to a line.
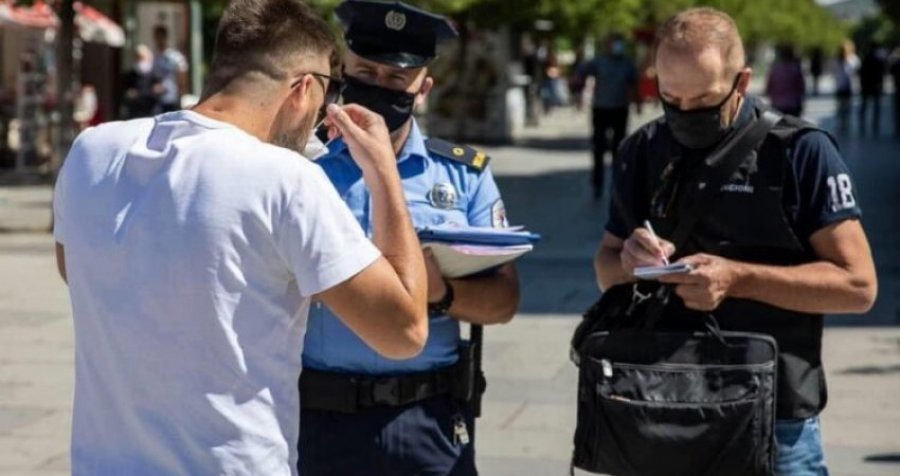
783	243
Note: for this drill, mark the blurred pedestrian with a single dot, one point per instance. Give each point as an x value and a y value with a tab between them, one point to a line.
551	88
615	87
86	108
895	75
871	86
195	242
843	70
170	66
785	84
140	98
816	65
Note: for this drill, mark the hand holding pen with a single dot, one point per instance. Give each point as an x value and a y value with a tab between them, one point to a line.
649	227
645	248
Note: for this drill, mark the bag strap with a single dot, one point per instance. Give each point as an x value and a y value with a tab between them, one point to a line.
718	167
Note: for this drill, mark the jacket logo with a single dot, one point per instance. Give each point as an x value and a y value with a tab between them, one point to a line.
738	188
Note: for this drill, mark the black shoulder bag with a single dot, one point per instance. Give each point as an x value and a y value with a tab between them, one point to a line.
695	402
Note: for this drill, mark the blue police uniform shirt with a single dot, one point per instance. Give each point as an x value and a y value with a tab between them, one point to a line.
332	346
820	193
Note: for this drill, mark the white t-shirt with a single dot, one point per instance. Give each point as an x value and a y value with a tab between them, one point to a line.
192	250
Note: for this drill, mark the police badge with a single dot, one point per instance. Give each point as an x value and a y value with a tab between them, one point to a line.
443	196
395	20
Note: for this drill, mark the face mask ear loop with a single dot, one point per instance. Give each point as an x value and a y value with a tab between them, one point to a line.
320	124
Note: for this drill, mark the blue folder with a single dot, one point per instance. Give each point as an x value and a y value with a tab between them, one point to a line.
477	235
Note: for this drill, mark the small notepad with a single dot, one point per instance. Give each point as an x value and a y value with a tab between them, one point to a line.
653	272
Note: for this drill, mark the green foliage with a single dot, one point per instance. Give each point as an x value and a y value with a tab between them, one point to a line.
878	29
799	22
891	9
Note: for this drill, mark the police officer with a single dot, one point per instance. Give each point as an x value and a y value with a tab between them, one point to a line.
362	413
783	243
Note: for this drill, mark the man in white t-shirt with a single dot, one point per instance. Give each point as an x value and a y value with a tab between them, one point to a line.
193	245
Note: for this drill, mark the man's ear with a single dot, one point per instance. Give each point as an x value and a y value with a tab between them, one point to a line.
301	95
744	82
426	88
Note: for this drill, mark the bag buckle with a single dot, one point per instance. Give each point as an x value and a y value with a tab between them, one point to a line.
637	296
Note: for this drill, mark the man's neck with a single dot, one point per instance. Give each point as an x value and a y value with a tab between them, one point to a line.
253	117
400	136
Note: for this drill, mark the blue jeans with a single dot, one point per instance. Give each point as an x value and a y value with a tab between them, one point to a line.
799	448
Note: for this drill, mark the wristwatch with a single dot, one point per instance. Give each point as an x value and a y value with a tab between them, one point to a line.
441	307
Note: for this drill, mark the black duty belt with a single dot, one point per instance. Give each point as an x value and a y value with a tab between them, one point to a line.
349	393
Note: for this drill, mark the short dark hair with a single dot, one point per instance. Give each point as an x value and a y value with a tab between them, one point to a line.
263	36
161	30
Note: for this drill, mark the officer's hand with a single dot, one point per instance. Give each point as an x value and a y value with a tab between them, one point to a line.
708	284
437	288
364	133
642	249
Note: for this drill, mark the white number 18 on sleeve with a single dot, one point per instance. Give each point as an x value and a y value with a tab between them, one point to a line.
841	192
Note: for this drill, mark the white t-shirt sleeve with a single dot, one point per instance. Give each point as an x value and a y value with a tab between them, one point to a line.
59	202
322	242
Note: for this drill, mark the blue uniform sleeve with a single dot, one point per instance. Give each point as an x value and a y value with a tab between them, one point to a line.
825	191
486	207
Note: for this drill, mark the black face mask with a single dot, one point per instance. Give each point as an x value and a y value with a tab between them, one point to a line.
396	107
698	128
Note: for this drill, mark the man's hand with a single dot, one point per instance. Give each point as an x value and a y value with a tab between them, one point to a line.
642	249
708	284
437	287
365	134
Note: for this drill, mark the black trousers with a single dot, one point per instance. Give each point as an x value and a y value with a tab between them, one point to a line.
874	100
413	440
609	131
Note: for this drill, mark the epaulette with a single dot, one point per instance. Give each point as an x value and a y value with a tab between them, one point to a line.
459	153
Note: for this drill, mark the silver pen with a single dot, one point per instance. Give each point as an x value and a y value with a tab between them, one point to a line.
649	228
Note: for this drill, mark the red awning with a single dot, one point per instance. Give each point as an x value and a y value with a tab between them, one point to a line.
39	15
91	25
96	27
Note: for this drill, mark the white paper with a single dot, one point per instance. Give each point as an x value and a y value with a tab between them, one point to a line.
457	260
653	272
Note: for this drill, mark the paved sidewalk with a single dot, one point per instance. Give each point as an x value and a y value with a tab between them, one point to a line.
529	408
25	209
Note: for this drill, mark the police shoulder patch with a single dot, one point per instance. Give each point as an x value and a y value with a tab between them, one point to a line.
459	153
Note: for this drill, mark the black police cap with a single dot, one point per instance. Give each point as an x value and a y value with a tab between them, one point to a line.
393	33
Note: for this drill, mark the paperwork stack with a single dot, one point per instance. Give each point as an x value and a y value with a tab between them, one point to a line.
463	250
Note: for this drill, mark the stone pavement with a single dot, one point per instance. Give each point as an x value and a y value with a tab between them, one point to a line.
529	407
